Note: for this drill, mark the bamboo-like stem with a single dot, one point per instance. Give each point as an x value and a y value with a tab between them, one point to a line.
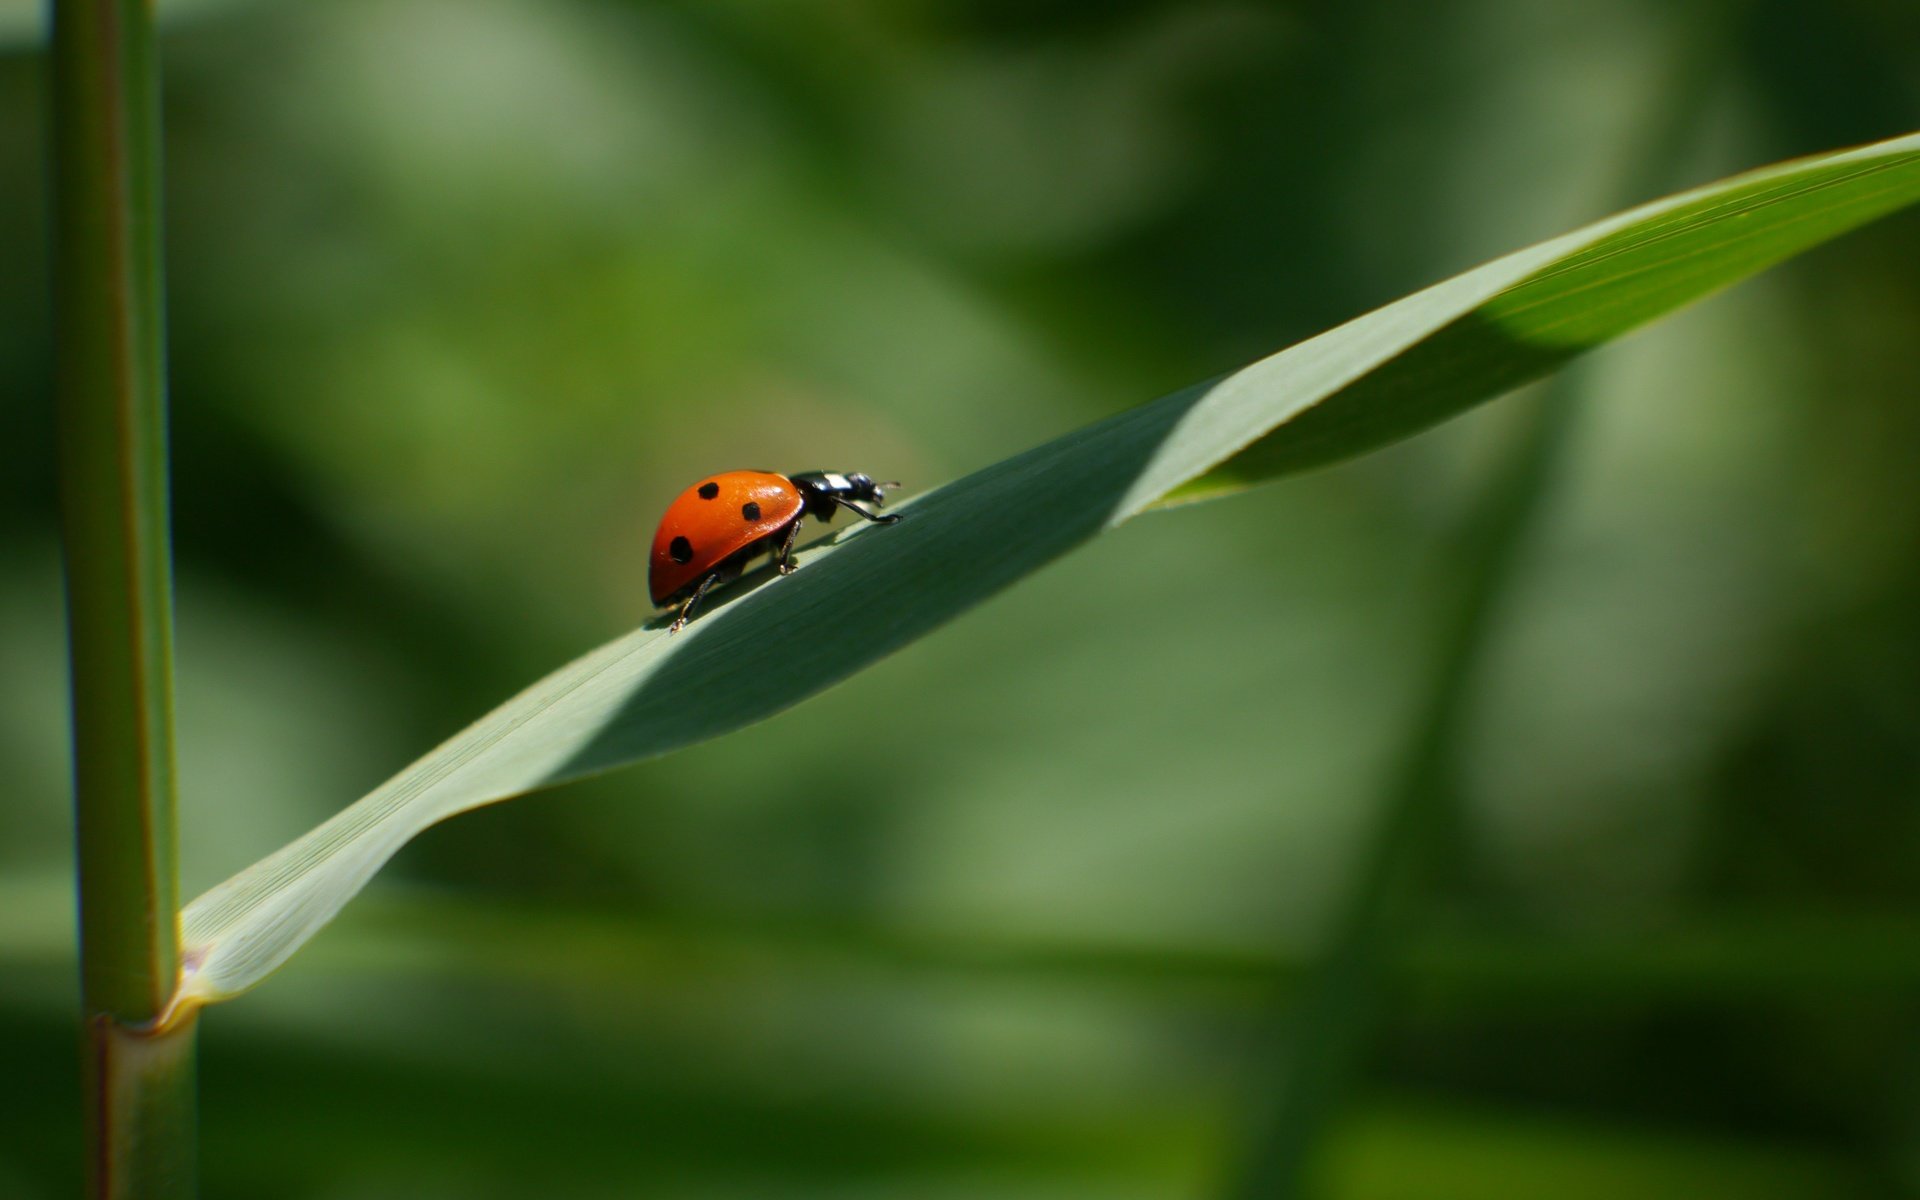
110	391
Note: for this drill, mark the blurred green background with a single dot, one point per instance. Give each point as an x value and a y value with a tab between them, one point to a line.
462	293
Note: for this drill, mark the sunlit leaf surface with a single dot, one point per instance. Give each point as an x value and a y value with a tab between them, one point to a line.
768	644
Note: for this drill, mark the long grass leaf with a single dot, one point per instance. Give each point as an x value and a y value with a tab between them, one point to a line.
871	590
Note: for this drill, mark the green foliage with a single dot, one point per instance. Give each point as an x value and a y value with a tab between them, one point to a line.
461	293
1347	391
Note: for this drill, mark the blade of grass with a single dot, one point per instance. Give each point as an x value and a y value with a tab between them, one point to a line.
1323	1033
1328	1022
870	591
113	499
1648	262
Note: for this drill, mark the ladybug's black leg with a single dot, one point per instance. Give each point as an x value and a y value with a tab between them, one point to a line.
783	558
686	610
876	518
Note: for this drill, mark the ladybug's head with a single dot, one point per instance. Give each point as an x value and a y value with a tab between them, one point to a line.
827	490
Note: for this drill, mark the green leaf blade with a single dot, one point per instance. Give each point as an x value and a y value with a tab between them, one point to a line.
865	592
1627	271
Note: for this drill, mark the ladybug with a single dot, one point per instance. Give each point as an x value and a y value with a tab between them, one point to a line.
713	528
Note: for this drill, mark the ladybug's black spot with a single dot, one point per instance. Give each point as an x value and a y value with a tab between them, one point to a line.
750	511
709	490
680	550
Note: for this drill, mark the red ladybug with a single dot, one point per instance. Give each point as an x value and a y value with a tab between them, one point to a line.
714	527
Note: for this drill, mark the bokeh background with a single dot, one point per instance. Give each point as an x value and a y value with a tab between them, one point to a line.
462	292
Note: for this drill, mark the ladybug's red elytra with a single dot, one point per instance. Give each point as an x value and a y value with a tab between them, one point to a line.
712	529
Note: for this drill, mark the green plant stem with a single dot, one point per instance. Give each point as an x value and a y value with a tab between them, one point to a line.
1333	1017
113	495
142	1137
